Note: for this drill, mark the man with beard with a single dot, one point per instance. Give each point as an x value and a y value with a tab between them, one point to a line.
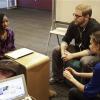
80	30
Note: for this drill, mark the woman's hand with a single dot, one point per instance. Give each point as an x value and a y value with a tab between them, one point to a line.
72	71
67	74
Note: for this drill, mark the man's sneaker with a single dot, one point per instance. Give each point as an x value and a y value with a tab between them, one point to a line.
52	93
55	81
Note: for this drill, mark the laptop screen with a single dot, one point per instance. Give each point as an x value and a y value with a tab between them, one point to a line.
13	88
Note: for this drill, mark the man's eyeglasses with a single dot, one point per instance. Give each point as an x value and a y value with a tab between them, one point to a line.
77	16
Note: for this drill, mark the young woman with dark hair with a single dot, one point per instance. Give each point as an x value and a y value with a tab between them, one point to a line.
6	36
8	68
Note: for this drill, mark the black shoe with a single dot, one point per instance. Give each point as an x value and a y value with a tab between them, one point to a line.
55	81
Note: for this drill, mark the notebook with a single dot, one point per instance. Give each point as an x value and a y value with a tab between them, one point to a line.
13	88
19	53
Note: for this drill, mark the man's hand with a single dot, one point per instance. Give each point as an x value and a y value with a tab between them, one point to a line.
67	56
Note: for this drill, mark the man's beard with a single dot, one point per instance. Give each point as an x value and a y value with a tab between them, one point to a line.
78	23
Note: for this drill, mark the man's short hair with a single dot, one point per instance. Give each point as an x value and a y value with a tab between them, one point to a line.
86	9
10	65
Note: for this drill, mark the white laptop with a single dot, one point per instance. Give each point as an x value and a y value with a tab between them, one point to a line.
14	88
19	53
